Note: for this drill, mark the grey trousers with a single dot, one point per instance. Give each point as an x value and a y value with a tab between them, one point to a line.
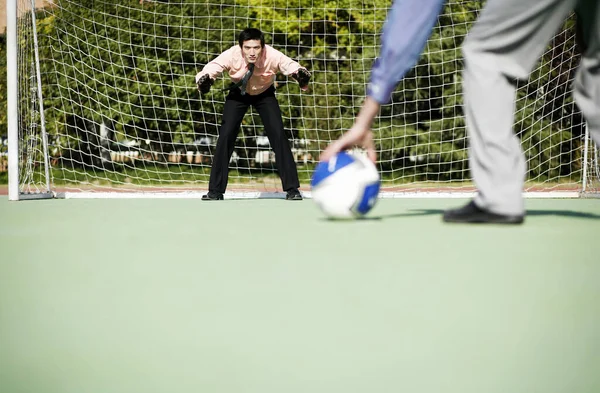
504	45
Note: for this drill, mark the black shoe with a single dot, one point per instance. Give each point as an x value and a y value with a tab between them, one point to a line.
293	195
212	196
471	213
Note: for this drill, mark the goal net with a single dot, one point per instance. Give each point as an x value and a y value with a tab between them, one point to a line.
106	101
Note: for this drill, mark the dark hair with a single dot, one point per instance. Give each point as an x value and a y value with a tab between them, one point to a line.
251	34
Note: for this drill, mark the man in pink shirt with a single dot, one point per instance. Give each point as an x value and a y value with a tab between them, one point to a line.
252	66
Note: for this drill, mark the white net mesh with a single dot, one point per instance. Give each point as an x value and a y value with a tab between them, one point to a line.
33	176
122	111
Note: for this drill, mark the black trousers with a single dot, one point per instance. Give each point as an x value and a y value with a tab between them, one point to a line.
236	106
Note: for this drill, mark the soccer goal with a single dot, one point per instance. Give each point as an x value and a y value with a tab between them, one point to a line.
102	100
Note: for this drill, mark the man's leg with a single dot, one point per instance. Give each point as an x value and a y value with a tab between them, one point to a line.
504	45
233	113
270	114
587	82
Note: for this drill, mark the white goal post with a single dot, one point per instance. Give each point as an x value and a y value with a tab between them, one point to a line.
102	100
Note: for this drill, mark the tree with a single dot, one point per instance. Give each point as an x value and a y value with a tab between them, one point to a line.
133	65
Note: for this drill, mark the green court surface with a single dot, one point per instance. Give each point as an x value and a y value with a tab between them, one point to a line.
267	296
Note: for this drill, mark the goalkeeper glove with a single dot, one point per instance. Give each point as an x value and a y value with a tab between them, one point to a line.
302	76
204	83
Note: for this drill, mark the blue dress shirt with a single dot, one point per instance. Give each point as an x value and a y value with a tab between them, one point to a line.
404	35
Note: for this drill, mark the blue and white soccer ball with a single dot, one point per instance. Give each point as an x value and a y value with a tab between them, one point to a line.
346	186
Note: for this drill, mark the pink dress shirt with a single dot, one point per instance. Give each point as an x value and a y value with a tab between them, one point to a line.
266	67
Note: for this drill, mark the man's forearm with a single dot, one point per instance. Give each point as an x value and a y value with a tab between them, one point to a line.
368	112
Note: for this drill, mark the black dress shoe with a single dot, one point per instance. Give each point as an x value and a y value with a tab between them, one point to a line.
293	195
212	196
471	213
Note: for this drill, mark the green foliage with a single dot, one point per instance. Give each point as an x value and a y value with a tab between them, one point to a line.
133	64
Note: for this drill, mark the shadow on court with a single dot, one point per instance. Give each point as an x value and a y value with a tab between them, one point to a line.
530	213
563	213
411	213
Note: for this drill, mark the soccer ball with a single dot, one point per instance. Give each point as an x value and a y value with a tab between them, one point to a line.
346	186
